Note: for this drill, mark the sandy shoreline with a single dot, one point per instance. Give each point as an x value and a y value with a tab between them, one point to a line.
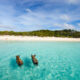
35	38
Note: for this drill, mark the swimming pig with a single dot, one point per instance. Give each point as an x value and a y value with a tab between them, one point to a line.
19	61
35	61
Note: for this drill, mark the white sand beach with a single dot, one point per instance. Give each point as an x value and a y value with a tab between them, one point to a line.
36	38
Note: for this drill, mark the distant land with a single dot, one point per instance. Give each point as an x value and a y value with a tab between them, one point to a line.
45	33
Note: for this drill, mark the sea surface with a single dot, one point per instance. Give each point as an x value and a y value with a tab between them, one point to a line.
57	60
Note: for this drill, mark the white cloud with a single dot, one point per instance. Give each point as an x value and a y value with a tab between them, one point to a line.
72	1
41	18
5	26
36	19
28	10
65	26
7	15
49	13
78	24
65	17
68	26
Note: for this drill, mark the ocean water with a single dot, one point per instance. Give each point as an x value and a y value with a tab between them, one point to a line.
57	60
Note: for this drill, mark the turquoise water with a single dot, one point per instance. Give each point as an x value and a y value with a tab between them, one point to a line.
57	60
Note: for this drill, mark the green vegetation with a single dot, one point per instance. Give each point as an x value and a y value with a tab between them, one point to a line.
44	33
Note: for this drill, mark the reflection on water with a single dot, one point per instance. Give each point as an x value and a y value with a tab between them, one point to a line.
27	62
13	63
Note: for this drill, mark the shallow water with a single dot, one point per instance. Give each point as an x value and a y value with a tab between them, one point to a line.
57	60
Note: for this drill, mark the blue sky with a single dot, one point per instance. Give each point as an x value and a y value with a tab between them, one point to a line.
28	15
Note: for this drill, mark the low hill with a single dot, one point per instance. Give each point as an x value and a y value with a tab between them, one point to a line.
45	33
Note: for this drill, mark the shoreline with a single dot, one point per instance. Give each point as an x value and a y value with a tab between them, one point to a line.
36	38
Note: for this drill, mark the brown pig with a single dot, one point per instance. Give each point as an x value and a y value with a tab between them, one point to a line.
19	61
34	60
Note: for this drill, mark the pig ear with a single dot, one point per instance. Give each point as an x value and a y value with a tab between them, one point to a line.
17	55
